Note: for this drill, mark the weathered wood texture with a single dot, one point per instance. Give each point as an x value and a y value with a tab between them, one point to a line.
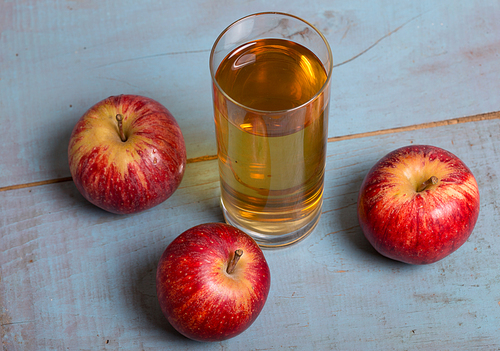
398	63
75	277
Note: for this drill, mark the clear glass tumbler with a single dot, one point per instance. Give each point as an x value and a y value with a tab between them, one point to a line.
271	77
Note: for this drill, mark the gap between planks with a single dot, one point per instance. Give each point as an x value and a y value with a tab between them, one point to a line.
468	119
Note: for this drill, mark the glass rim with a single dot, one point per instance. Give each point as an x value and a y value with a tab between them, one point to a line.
213	71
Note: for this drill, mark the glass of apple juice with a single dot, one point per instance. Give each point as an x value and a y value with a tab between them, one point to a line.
271	92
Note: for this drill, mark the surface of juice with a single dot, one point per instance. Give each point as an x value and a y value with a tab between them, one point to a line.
271	151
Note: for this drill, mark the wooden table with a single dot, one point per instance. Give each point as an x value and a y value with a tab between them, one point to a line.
407	72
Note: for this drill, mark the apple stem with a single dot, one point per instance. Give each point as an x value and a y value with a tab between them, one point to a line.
234	261
431	181
119	119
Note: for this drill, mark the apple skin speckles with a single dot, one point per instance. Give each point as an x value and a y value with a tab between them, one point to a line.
197	294
418	227
127	176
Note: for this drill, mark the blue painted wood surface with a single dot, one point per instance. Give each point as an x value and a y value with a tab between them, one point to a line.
75	277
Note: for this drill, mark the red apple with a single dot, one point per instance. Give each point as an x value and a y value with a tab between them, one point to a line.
127	154
418	204
212	282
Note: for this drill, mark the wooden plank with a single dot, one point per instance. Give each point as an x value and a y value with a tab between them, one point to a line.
73	276
398	63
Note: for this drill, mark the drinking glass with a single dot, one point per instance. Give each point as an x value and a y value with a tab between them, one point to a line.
271	76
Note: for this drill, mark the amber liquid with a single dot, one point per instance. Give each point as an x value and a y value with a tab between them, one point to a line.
271	163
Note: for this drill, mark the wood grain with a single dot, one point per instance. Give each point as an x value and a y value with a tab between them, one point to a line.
73	277
73	274
398	64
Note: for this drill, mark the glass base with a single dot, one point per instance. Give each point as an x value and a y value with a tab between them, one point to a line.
268	241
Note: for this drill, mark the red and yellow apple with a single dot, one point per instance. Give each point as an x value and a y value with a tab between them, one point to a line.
212	282
127	154
418	204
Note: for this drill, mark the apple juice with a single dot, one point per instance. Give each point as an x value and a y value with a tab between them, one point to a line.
271	117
